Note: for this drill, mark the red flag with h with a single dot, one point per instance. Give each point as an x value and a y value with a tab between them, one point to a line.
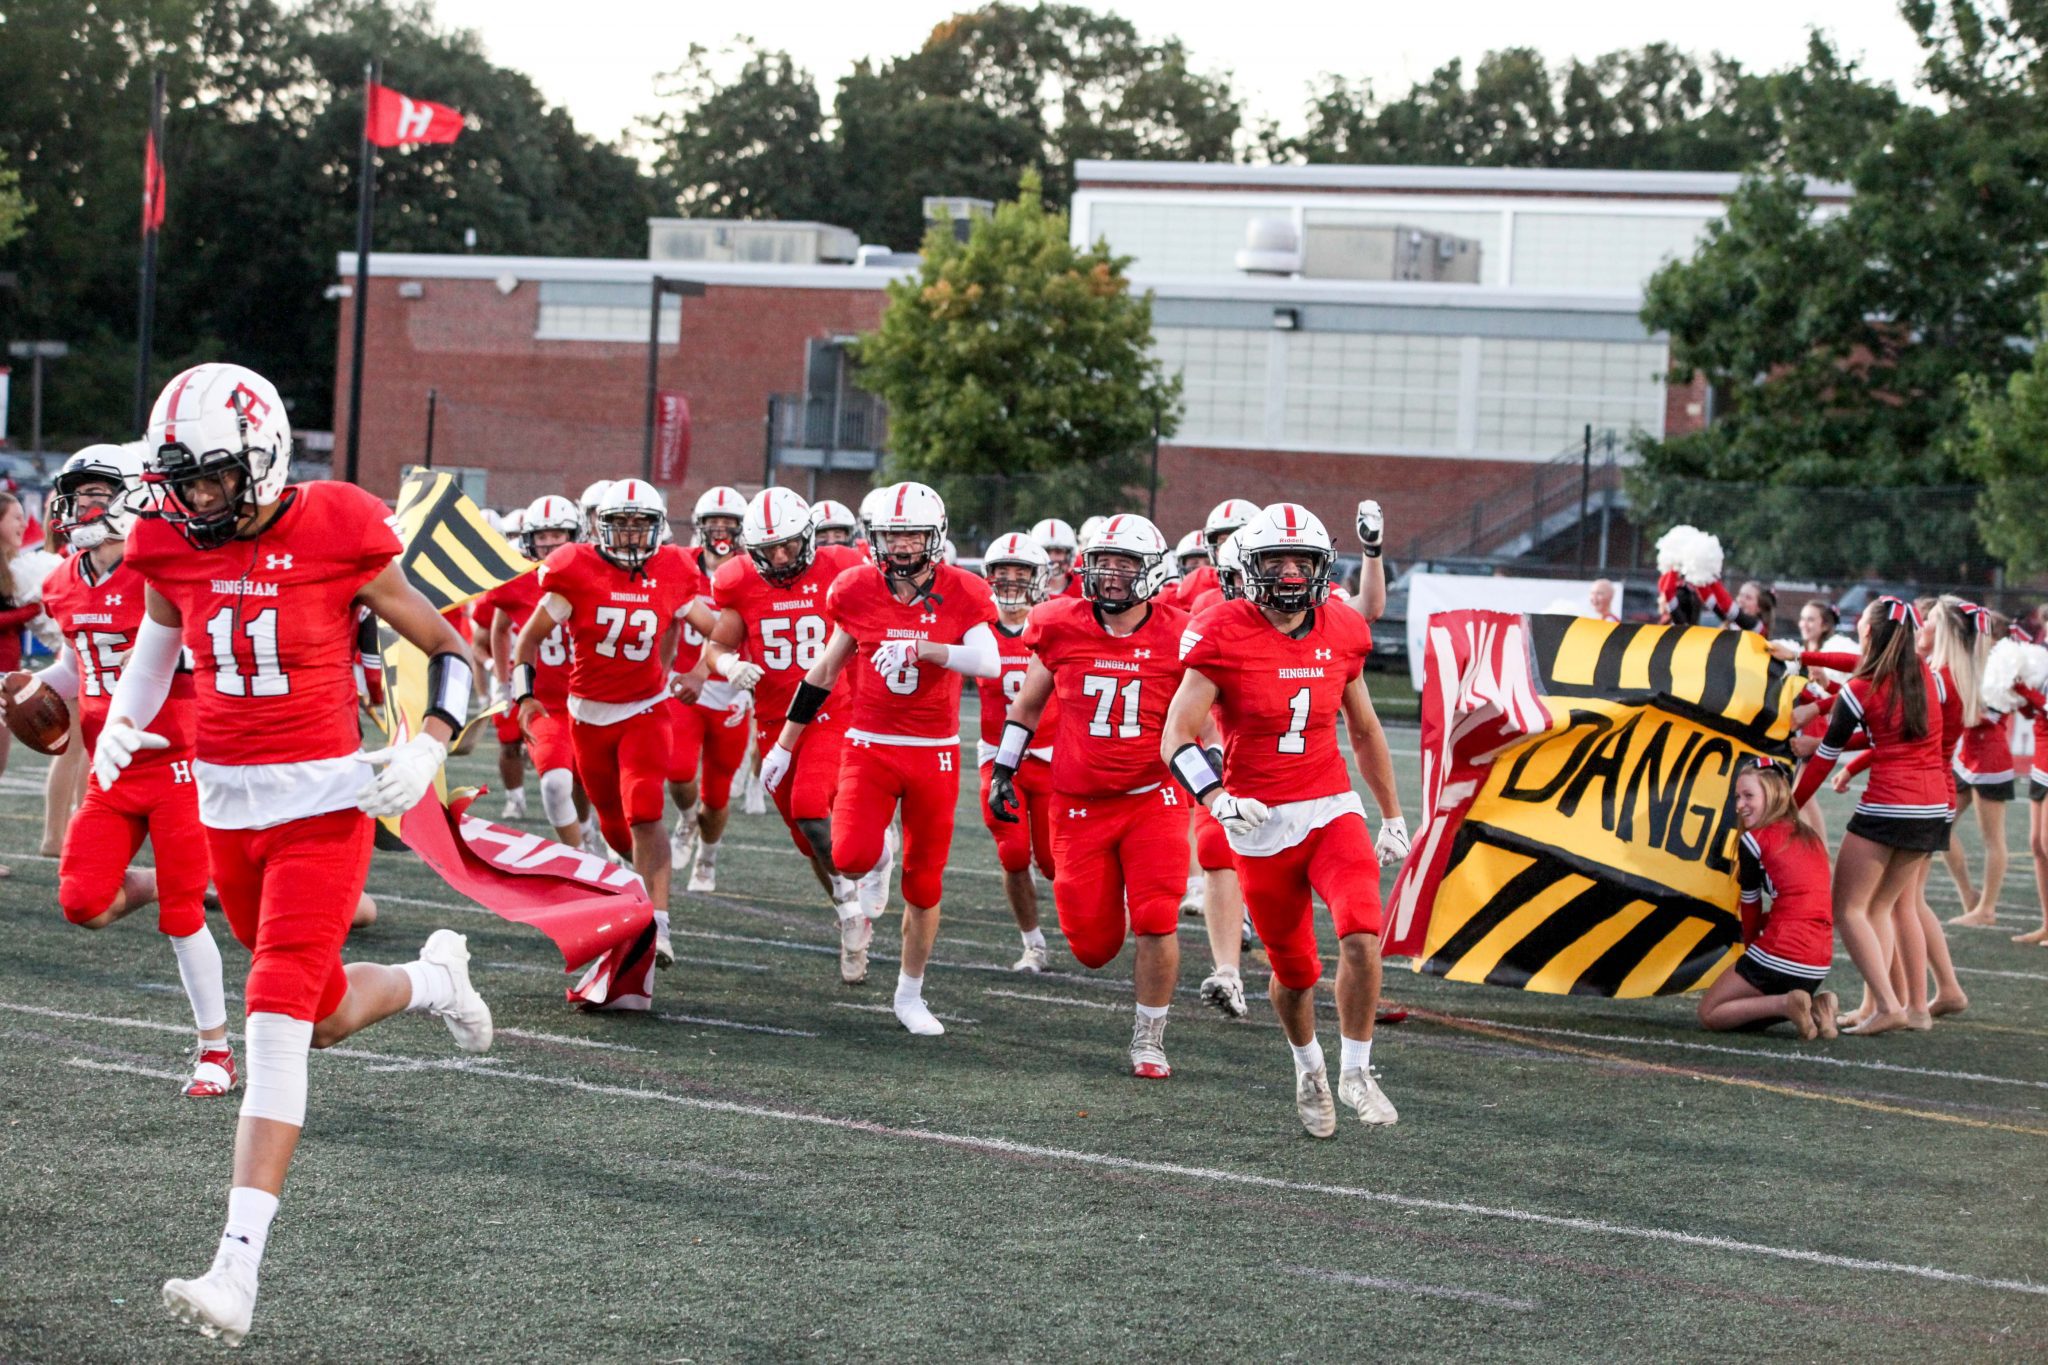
395	119
152	186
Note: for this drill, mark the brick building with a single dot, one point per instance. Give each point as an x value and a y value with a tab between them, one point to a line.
1435	337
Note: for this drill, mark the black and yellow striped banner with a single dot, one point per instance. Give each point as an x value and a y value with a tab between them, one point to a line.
451	553
1597	856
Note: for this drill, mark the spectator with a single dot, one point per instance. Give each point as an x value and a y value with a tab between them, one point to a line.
15	612
1601	598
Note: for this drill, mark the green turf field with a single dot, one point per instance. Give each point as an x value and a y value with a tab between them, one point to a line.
768	1168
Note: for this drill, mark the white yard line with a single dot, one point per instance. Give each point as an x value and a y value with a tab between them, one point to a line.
1054	1000
535	1036
710	1022
83	1065
1598	1228
891	1009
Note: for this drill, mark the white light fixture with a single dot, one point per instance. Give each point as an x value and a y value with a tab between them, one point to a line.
412	289
1286	320
507	283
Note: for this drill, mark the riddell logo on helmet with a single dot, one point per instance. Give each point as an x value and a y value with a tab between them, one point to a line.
249	406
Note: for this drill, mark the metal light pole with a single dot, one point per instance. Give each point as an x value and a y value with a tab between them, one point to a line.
660	286
36	352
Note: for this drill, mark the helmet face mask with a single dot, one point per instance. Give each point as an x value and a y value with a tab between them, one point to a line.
92	498
206	497
551	516
220	451
1114	580
630	524
719	534
780	534
907	552
1289	579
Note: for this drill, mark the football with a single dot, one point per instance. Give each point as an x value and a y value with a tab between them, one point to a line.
36	716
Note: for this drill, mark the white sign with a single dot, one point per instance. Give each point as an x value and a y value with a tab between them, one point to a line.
1430	593
3	405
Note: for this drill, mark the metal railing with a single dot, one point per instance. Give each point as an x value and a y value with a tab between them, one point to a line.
857	422
1580	488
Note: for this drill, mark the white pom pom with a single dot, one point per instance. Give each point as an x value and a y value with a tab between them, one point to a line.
1701	560
2010	662
1671	547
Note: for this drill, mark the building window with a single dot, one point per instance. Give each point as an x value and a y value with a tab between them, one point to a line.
1223	372
601	312
1176	239
1365	390
1603	251
1536	397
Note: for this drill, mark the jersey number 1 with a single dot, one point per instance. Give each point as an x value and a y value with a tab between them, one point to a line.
268	680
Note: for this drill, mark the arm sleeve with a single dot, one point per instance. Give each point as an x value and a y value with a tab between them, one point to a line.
1861	760
13	618
977	655
1838	660
61	677
1749	875
146	677
1842	723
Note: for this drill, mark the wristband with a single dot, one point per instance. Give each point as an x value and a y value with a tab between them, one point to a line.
1192	766
809	698
522	683
450	685
1016	739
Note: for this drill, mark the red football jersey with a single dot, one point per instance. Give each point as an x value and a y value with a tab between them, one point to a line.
787	626
1193	584
997	693
99	622
270	623
519	599
689	644
921	700
1113	694
1279	696
616	618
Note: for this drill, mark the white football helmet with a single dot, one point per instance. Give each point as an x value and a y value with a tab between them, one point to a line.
778	516
1021	549
1225	517
549	512
513	522
1190	551
1285	528
213	421
1229	568
909	508
1089	530
724	502
1057	539
869	505
1121	563
592	496
835	522
630	522
88	527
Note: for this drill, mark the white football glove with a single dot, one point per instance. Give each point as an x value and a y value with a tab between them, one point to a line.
119	743
1240	814
1392	845
1372	527
775	766
408	770
738	671
893	656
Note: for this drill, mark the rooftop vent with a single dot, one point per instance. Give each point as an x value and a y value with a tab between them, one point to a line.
1272	246
956	211
747	242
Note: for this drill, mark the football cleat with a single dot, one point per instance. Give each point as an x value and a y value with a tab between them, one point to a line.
918	1018
219	1303
1036	959
1225	992
755	802
213	1072
682	844
1312	1101
515	804
874	886
856	931
467	1016
704	872
1248	937
1360	1088
1148	1049
664	947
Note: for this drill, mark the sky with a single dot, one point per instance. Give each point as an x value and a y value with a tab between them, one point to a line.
601	58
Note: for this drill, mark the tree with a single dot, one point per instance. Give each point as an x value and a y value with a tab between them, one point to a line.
1019	372
2006	446
1836	344
751	147
14	210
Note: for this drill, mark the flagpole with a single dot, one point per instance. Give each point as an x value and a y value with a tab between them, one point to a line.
366	202
151	209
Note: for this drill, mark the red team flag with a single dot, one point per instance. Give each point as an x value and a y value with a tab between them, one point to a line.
152	187
396	119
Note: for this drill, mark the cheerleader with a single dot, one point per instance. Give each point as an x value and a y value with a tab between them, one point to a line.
1903	817
1689	577
1984	772
1789	947
2034	705
1755	608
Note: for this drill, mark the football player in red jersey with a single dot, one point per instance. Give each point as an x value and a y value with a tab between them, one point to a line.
1223	520
834	522
618	598
1282	668
1371	600
921	626
707	715
1015	567
1060	544
259	582
550	523
1119	825
772	612
96	600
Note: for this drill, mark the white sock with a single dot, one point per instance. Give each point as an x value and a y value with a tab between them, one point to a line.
686	818
1356	1053
707	851
199	968
1153	1011
1034	938
661	923
843	890
1308	1057
249	1213
432	986
909	987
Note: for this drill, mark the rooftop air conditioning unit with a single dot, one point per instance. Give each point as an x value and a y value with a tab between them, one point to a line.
748	242
1361	251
